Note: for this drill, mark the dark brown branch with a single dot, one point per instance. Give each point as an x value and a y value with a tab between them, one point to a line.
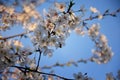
40	52
70	5
30	70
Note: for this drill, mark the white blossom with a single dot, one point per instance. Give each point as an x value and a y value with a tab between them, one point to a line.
31	26
93	9
100	16
60	6
17	43
80	31
94	30
103	39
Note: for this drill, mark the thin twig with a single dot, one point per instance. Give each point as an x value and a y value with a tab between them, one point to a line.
104	14
40	52
17	35
70	6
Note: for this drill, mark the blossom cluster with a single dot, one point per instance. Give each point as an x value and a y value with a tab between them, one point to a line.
54	29
102	51
12	53
10	16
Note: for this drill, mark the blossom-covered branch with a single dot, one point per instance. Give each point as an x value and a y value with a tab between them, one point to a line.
69	63
26	69
106	13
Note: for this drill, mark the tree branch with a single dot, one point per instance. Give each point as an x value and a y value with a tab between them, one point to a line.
69	63
104	14
17	35
40	52
30	70
70	5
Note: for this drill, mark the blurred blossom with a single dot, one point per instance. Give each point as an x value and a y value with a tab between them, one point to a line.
80	31
72	16
109	76
49	25
94	30
17	43
42	1
53	14
10	10
21	17
31	26
93	9
1	8
60	6
100	16
0	36
103	38
81	76
102	53
27	8
63	19
31	12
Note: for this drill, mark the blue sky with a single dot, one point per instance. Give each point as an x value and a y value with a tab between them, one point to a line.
80	47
